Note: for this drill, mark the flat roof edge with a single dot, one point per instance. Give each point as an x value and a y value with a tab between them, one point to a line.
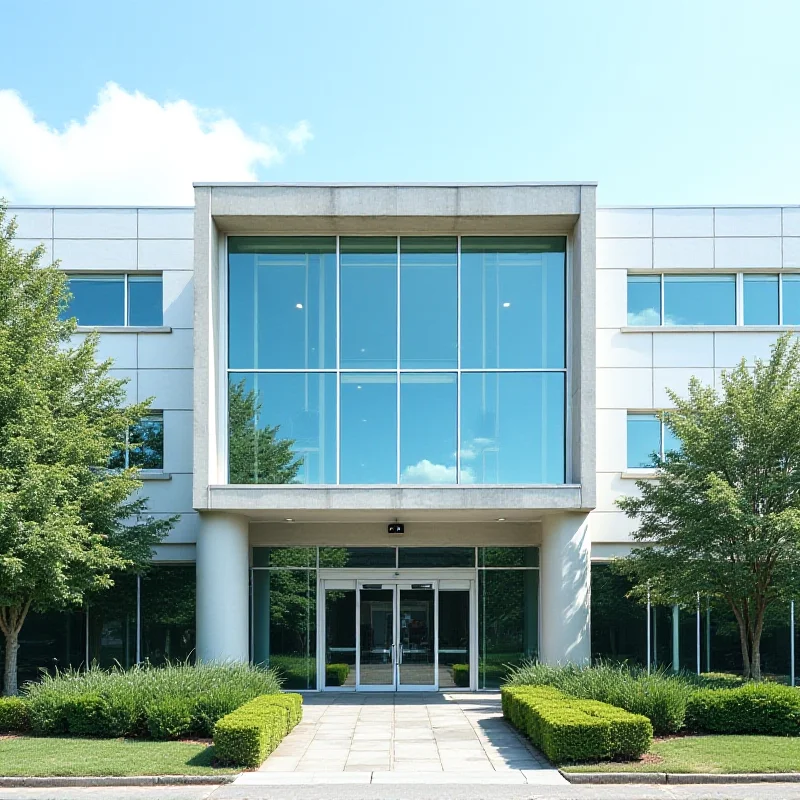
384	185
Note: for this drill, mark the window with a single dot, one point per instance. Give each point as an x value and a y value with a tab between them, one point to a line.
644	299
790	291
699	299
647	436
143	446
115	300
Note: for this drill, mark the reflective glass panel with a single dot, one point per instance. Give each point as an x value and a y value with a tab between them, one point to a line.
644	439
436	557
644	300
428	427
416	653
112	623
508	556
671	441
282	302
357	557
284	556
760	299
512	427
282	427
428	302
699	299
145	300
285	623
619	625
49	641
791	299
96	299
147	443
453	639
340	637
508	622
168	613
512	302
368	277
376	666
368	428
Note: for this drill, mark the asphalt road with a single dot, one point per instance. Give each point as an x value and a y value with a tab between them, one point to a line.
766	791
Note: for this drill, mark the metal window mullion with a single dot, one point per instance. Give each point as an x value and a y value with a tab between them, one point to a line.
661	293
458	360
397	366
739	298
125	300
338	363
780	298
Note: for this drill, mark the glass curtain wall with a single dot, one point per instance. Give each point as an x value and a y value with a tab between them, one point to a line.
386	360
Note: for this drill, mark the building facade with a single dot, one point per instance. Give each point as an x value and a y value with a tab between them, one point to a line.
395	419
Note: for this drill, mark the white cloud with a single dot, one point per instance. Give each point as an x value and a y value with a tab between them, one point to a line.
427	472
647	316
130	149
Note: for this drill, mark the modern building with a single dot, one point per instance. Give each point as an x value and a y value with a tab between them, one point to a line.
394	419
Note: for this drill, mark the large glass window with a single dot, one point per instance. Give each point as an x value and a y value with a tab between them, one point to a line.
699	299
761	300
143	445
428	302
512	302
512	427
644	299
99	300
368	280
369	428
282	302
647	437
145	300
282	427
428	403
790	289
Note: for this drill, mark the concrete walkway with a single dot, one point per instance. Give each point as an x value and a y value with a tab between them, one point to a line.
395	738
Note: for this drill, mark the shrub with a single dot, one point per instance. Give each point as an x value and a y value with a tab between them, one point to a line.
461	674
336	674
756	708
169	718
210	691
14	716
248	735
570	729
720	680
659	696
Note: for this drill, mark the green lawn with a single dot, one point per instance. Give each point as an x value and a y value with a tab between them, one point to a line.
709	754
31	756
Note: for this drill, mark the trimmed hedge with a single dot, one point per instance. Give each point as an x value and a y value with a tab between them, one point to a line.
245	737
14	716
757	708
461	674
336	674
567	728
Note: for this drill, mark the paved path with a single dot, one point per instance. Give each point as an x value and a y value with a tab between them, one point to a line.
394	738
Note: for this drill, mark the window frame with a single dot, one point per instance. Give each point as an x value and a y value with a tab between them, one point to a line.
126	276
661	438
151	415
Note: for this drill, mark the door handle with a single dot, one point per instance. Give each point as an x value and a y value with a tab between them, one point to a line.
400	654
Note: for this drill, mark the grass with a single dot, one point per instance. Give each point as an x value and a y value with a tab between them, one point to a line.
717	754
26	756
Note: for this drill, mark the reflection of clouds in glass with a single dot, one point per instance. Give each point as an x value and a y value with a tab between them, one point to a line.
647	316
427	472
473	448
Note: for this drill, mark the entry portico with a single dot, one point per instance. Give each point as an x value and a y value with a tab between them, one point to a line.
508	519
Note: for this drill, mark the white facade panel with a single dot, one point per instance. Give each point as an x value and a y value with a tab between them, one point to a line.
31	244
612	426
736	252
791	221
177	441
615	349
33	223
624	253
624	222
166	350
178	298
683	222
94	223
169	388
683	349
120	347
610	526
791	252
185	529
612	298
747	221
683	253
169	497
731	348
165	254
112	255
610	487
625	388
166	223
677	379
131	387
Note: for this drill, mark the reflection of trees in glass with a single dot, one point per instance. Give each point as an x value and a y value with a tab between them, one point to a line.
255	454
168	613
618	623
142	445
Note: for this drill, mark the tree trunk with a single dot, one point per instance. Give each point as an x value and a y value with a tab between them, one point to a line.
744	641
10	671
755	660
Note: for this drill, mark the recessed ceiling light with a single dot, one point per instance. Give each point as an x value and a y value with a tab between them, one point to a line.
501	519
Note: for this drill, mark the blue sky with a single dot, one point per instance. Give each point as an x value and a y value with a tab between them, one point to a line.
660	102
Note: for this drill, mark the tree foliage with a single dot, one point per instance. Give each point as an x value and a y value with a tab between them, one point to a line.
66	522
722	514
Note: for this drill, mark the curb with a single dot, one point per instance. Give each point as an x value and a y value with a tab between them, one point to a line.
112	780
682	778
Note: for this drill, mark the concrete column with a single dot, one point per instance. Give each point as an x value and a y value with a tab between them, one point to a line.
223	611
564	576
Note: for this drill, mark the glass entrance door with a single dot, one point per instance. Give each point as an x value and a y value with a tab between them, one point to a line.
376	647
416	648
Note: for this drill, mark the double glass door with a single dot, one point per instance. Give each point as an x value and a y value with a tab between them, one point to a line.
386	636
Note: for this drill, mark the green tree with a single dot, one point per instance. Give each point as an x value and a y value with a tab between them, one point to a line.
256	454
65	523
722	514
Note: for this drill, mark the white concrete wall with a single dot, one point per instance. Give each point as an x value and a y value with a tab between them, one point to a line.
634	367
157	365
